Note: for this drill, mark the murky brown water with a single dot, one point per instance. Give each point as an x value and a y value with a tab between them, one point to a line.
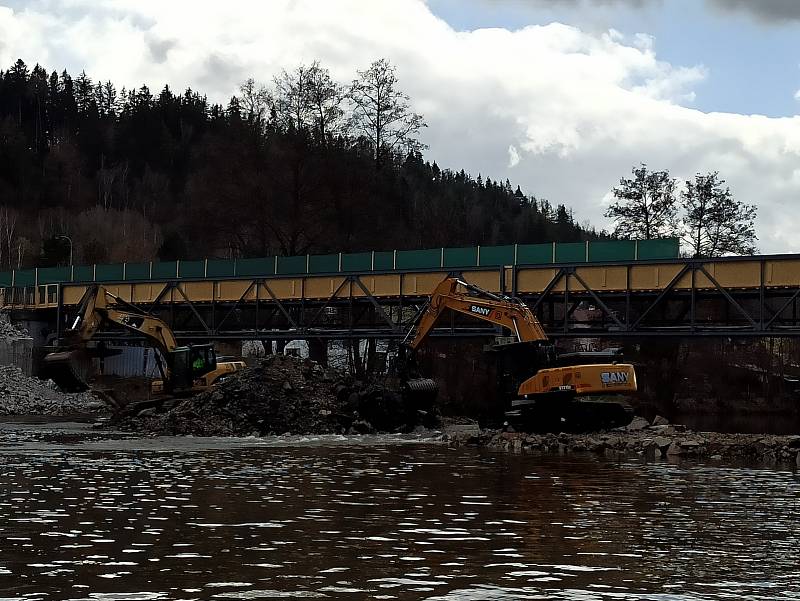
105	519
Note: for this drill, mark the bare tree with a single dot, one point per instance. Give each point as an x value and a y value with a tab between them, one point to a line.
255	101
325	97
8	231
23	245
382	113
646	206
291	100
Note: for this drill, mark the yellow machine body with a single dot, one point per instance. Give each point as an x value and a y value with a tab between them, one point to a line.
582	380
224	369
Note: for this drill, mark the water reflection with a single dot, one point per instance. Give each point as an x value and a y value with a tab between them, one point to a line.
323	519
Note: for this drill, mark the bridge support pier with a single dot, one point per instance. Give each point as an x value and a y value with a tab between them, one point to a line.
318	350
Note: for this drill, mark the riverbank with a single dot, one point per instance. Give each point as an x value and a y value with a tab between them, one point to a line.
663	441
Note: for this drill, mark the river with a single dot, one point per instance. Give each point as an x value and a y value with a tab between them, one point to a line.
100	516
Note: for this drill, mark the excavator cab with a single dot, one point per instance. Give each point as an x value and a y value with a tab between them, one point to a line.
188	363
515	362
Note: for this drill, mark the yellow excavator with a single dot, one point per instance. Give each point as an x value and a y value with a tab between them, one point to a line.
575	391
183	369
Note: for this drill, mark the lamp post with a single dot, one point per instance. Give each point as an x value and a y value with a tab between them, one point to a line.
68	239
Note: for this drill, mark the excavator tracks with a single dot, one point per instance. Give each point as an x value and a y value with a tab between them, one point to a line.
564	412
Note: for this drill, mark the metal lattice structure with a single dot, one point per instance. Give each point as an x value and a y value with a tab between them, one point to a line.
735	296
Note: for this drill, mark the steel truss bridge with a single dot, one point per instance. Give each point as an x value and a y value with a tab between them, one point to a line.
732	296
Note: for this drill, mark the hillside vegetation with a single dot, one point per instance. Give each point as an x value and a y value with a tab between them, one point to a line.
293	167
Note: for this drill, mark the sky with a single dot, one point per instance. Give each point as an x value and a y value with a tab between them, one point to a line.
562	97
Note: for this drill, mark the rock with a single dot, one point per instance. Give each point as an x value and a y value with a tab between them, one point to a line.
666	430
690	447
462	430
674	449
793	442
649	448
638	423
149	412
171	404
596	446
287	386
662	442
660	421
362	427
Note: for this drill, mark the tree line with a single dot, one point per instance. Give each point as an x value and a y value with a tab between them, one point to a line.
704	214
301	164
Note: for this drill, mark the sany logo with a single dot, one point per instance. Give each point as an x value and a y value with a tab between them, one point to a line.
480	310
611	378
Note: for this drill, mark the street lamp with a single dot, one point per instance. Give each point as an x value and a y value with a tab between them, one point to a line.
68	239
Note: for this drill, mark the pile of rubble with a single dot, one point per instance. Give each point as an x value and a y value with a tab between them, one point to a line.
21	395
280	395
656	440
8	331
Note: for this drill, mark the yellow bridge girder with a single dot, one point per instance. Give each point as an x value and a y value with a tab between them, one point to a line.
742	273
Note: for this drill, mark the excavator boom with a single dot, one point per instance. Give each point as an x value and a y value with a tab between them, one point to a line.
94	310
463	297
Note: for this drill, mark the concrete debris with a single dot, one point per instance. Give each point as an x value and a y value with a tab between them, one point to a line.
8	331
619	444
660	421
281	395
638	423
22	395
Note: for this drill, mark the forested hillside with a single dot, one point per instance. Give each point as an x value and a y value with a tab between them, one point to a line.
291	168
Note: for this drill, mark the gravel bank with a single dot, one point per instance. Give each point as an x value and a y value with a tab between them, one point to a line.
660	441
21	395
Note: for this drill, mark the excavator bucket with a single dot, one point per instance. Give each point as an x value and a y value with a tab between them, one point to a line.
420	393
67	369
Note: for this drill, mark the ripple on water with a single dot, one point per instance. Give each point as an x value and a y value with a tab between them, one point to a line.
334	521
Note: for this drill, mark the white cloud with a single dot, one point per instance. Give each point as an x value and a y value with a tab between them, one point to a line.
581	108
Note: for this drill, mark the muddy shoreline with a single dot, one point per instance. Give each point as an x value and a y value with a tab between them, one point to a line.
662	442
287	396
671	443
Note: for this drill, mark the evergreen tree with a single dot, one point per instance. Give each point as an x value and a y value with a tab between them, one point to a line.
645	206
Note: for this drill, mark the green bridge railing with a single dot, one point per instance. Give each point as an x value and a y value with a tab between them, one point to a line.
383	261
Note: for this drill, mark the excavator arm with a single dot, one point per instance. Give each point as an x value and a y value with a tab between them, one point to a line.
463	297
94	310
67	365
